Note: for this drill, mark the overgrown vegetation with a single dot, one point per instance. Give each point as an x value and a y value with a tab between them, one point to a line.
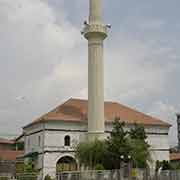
121	145
47	177
28	167
4	178
166	165
26	171
90	154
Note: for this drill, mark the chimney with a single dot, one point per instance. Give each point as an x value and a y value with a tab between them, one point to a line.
178	129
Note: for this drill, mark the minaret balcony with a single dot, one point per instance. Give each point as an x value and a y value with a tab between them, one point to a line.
95	30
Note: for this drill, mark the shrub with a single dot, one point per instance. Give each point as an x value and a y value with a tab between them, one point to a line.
99	167
26	177
4	178
47	177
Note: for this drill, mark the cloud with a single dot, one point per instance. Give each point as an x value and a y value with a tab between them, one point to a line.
135	70
43	58
34	46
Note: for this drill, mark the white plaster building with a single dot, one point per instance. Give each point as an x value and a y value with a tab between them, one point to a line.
54	135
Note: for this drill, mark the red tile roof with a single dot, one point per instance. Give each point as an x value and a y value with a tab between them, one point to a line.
6	141
75	110
174	156
10	155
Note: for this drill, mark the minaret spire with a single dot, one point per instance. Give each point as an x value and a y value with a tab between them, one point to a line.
95	32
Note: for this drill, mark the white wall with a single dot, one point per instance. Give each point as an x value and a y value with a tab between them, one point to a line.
52	141
32	143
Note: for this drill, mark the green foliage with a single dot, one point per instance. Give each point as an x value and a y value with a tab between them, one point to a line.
47	177
166	165
130	144
158	165
139	147
175	165
26	177
4	178
138	132
99	167
91	153
117	145
20	166
27	167
139	152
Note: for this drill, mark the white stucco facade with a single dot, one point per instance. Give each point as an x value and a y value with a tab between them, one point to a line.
48	140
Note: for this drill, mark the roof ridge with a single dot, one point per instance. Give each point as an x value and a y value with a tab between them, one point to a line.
127	113
138	111
79	99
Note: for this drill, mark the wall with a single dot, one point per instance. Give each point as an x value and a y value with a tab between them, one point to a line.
52	147
6	146
7	167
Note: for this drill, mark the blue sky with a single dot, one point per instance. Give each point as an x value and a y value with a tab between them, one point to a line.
43	57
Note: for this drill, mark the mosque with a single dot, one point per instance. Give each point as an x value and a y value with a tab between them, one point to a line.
52	137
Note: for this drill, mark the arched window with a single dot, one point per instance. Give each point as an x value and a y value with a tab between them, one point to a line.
67	140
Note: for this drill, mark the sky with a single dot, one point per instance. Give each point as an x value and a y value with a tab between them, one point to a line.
43	57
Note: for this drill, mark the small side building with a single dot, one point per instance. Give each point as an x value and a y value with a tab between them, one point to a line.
6	144
8	160
9	152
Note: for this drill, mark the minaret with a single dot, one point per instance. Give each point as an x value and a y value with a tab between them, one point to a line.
95	32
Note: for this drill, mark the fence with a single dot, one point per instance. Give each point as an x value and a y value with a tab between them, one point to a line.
25	176
104	175
168	175
19	177
138	174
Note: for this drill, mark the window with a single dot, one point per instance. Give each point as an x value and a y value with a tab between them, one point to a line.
39	140
67	141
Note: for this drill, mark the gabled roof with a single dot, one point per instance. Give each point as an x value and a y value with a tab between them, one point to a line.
6	141
75	110
10	155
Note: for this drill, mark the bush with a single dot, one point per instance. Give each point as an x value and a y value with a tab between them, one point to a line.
166	165
47	177
4	178
99	167
26	177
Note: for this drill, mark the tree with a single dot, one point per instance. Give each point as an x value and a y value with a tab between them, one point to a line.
120	143
139	153
92	153
117	144
47	177
138	132
139	147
